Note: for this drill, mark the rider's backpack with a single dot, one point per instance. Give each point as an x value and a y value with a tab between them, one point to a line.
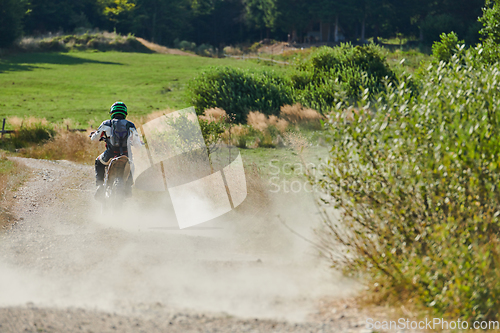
119	133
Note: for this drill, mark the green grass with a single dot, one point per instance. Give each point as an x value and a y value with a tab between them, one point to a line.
82	85
6	166
283	163
413	59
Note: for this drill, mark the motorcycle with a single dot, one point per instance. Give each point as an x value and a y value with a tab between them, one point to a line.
116	176
115	180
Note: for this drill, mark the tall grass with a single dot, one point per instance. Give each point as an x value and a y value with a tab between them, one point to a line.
103	41
72	146
300	116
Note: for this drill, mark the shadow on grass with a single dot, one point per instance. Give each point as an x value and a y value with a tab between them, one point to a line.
30	61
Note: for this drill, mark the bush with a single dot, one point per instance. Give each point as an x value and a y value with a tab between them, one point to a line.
328	77
447	47
206	50
417	185
491	31
27	131
240	91
331	75
186	46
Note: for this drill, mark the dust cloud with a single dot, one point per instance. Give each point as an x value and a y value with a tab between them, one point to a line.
244	263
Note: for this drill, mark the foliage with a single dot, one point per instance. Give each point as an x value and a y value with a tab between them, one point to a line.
434	26
205	21
327	77
240	91
213	128
117	10
491	31
447	47
43	16
64	145
184	45
331	75
11	14
491	21
260	13
25	136
416	183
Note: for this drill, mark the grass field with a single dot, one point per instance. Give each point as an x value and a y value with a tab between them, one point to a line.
82	85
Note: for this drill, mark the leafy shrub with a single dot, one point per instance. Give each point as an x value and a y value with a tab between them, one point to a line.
254	48
328	77
416	182
206	50
187	46
240	91
447	47
35	134
368	58
491	31
490	21
331	75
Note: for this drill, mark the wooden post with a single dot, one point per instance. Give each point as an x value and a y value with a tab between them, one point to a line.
3	127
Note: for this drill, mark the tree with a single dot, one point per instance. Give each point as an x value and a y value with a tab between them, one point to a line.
119	13
53	15
328	11
11	14
260	14
221	23
292	16
162	21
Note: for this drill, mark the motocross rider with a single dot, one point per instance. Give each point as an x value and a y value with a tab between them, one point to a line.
117	132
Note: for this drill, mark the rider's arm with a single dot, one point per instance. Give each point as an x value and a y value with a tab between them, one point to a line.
135	138
103	130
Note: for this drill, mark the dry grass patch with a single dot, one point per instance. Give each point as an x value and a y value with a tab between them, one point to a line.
301	116
72	146
17	123
214	114
261	122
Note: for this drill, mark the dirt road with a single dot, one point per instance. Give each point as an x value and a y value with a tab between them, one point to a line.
65	267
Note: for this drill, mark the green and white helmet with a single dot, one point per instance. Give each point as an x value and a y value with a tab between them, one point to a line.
118	108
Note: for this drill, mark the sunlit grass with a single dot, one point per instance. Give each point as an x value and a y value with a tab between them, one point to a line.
82	85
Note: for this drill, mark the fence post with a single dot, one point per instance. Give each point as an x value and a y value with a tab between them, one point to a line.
3	127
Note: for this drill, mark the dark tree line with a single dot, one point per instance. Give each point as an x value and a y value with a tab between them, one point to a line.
223	22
